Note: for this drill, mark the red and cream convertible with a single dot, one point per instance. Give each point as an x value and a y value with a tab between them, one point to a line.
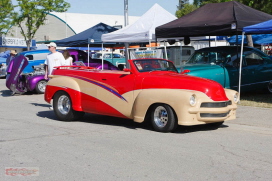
150	90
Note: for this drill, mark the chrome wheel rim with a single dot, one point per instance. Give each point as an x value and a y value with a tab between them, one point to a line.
270	86
64	104
41	86
160	116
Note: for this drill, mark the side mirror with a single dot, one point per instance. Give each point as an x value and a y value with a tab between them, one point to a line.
185	71
126	70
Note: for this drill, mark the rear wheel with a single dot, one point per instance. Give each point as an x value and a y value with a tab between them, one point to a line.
163	118
62	106
40	86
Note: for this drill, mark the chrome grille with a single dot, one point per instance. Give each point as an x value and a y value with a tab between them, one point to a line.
215	104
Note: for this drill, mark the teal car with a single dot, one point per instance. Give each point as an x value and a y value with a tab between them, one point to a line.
115	58
221	64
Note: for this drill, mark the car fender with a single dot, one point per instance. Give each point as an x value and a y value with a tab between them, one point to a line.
67	84
177	99
33	80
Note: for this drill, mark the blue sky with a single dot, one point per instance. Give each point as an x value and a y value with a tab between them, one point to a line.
116	7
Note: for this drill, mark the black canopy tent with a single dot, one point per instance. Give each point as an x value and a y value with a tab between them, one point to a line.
214	19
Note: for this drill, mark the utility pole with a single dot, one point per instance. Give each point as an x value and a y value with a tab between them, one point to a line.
126	23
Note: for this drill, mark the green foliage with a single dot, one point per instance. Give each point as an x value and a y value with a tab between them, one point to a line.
6	9
261	5
185	10
32	13
182	3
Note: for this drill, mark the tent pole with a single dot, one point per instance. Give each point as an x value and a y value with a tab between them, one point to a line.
241	61
166	57
88	54
102	57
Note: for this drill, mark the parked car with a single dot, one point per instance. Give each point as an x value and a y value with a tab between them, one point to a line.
32	79
116	59
37	57
222	65
21	83
34	57
81	56
3	67
151	90
179	55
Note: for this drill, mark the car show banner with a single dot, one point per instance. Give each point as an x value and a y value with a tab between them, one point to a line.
135	54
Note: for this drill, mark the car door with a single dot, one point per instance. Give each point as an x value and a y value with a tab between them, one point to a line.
261	69
116	93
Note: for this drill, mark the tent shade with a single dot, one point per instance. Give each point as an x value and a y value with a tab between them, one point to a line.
227	18
257	39
264	27
91	36
143	30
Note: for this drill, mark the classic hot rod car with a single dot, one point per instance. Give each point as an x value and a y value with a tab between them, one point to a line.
151	90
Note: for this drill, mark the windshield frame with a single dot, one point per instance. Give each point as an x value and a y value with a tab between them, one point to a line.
154	64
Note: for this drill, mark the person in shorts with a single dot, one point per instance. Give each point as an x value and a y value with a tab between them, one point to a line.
53	59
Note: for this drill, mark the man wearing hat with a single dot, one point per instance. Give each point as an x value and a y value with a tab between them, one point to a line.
53	59
12	55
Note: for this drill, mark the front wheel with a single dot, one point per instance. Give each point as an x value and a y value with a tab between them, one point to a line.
40	86
163	118
62	106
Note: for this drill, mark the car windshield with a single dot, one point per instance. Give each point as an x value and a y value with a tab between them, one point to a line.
147	65
203	57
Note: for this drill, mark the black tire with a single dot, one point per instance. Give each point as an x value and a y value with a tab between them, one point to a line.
62	106
40	87
163	118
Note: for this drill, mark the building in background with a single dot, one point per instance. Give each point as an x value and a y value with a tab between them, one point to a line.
62	25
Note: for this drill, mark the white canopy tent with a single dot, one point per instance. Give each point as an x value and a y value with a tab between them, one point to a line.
143	30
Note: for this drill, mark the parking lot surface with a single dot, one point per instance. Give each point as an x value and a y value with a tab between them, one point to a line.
106	148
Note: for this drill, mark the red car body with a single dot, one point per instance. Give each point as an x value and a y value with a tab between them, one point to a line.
151	89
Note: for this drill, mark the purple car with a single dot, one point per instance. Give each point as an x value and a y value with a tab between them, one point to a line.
21	83
81	56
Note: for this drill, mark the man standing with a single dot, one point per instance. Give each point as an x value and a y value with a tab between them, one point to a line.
12	55
53	59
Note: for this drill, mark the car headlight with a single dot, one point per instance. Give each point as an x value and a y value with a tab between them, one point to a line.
236	97
193	100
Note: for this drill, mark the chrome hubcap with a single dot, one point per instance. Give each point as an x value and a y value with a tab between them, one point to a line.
41	86
160	116
64	104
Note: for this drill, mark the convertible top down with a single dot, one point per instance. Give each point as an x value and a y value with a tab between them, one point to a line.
151	90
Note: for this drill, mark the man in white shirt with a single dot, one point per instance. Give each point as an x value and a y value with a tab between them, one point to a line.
53	59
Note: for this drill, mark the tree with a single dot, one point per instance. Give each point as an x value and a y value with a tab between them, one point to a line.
182	3
32	13
5	15
185	10
261	5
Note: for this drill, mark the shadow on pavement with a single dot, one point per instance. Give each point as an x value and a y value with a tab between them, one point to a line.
128	123
5	93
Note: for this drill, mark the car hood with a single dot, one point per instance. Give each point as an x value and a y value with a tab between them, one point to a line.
194	67
15	68
182	81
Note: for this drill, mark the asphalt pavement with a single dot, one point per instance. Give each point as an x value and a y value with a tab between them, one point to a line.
106	148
